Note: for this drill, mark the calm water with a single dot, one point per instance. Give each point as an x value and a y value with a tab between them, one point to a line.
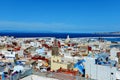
62	35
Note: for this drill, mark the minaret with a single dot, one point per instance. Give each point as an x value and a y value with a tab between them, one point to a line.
55	50
67	40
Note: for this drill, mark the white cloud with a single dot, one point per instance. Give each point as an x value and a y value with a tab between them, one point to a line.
55	27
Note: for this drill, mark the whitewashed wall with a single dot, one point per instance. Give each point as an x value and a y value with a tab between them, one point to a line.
99	72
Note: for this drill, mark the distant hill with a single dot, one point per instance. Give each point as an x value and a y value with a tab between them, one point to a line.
118	33
115	32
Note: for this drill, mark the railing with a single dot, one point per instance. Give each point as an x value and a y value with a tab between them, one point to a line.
19	75
61	76
56	75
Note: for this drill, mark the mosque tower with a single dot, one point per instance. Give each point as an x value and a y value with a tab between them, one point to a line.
55	48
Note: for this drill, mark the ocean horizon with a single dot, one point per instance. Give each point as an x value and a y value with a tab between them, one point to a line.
110	37
56	34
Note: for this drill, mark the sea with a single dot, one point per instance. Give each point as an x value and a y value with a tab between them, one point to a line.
109	37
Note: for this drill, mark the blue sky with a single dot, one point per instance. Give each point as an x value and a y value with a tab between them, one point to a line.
60	15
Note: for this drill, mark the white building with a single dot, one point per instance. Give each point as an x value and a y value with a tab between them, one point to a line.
100	72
